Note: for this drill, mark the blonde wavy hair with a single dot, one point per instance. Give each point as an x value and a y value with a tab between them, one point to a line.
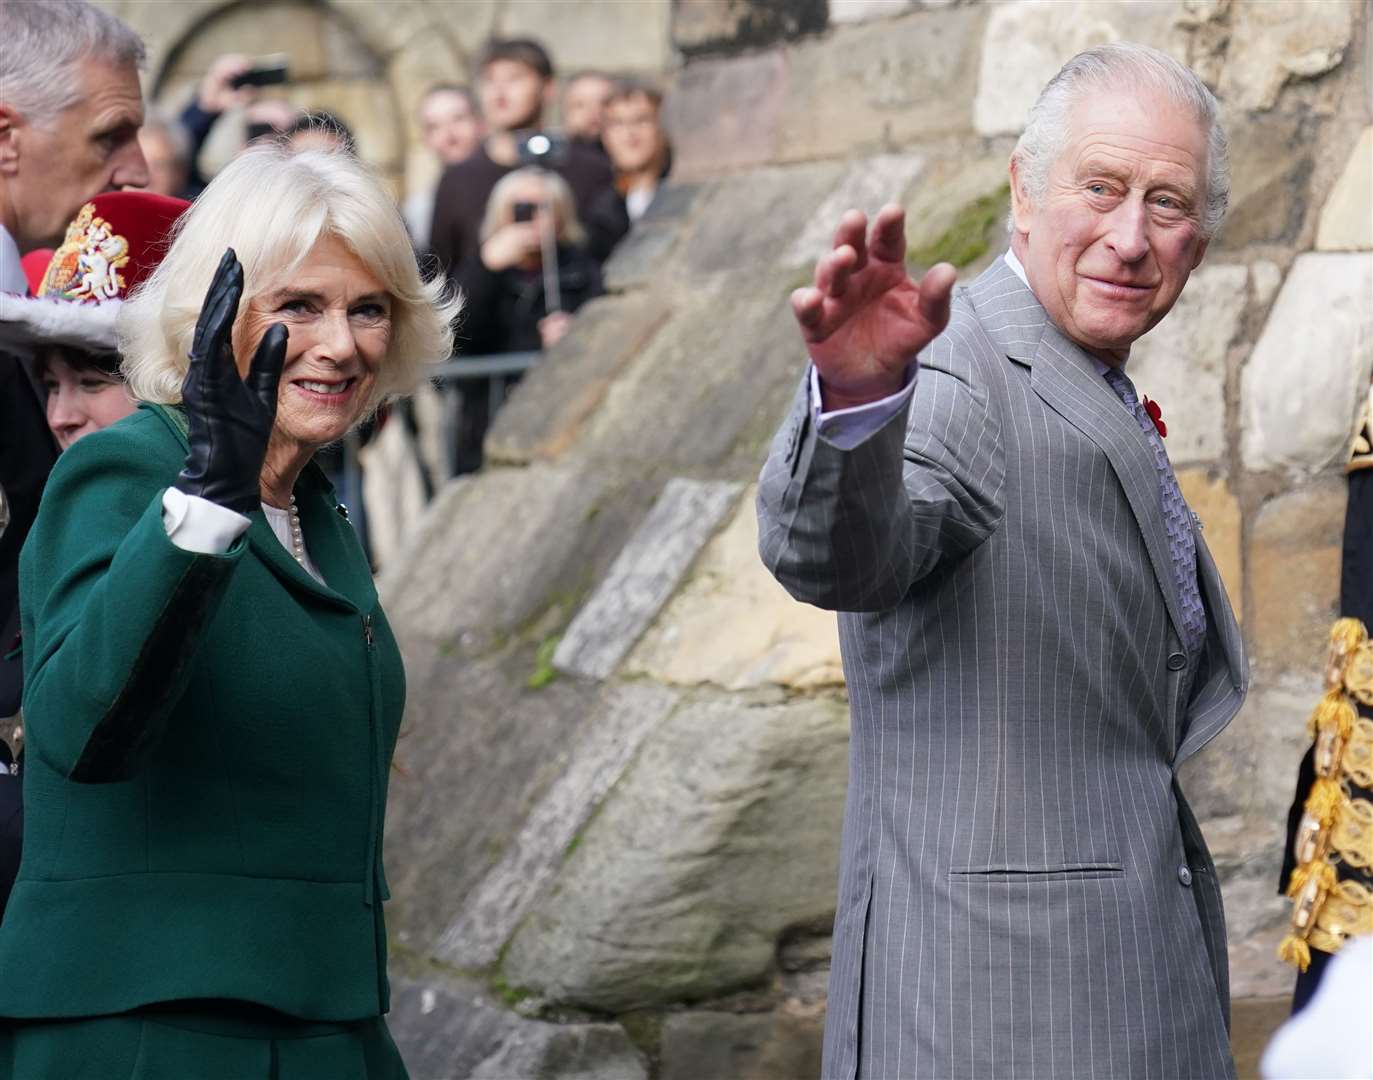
272	205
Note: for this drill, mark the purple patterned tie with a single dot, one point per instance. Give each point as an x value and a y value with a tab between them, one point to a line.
1177	518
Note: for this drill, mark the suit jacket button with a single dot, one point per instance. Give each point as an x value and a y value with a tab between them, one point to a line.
1176	661
1184	875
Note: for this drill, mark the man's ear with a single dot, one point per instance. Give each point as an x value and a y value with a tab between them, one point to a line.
10	124
1020	202
1201	253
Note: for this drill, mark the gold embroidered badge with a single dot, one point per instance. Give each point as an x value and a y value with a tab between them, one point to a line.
87	265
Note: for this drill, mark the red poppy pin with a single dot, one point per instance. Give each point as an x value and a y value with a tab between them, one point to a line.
1156	415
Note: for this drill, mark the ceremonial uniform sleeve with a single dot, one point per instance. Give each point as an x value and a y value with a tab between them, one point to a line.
113	611
854	527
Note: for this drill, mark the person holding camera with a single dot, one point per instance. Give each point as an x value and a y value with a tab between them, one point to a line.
532	271
516	86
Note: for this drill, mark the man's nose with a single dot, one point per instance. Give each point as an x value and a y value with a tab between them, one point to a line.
1129	235
131	168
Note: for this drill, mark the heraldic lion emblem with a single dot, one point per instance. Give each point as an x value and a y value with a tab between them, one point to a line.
87	265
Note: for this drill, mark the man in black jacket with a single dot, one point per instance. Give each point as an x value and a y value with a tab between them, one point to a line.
516	86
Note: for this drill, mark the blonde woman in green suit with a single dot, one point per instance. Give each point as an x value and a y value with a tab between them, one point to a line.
212	692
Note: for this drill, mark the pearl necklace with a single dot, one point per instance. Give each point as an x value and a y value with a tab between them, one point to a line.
297	540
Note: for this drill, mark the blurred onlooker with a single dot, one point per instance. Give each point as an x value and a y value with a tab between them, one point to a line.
516	301
320	131
268	118
452	128
218	94
583	107
167	150
515	86
639	151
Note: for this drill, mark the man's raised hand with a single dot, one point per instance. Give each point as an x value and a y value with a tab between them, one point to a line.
864	319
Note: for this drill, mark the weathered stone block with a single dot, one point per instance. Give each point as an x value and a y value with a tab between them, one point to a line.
734	626
1294	576
1181	363
949	183
709	389
873	85
592	767
565	1052
1026	43
1279	40
723	114
1309	371
489	552
583	38
703	26
1222	526
753	1046
543	419
851	11
869	184
687	877
754	220
1347	218
445	1027
1270	169
641	258
648	570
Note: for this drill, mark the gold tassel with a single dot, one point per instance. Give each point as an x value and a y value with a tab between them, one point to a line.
1347	634
1334	710
1324	800
1295	951
1321	871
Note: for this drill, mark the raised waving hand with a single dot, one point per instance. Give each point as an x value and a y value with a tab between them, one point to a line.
864	319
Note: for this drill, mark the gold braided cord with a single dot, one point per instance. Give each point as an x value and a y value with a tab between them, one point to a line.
1334	827
1352	834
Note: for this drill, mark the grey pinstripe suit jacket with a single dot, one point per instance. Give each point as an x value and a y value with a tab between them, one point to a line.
1023	889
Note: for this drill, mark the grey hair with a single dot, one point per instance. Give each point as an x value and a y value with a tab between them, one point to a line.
1109	68
498	203
44	43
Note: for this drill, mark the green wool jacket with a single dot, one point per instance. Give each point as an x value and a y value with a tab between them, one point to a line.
208	746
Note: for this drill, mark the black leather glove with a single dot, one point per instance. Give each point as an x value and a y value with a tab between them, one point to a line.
230	419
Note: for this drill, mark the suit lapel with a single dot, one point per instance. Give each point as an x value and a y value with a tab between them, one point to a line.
1216	700
1064	377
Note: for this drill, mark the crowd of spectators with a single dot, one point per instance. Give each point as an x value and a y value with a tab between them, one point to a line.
524	211
522	216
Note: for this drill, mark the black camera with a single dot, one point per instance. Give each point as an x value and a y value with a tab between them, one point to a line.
542	149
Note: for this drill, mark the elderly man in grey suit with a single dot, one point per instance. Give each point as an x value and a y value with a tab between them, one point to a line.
1034	634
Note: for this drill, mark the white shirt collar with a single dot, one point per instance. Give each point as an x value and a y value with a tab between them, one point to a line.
12	278
1016	268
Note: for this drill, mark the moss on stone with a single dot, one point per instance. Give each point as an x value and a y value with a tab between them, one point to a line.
544	671
969	236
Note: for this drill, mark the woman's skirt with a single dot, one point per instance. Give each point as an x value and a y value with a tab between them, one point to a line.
198	1041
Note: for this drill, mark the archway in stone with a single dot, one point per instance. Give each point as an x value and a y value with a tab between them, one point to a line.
335	64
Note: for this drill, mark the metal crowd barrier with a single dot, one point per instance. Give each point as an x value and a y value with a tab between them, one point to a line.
450	376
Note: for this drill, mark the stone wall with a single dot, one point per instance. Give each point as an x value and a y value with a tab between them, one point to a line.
613	830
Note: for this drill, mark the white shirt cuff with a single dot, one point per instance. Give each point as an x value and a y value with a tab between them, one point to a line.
196	524
847	428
